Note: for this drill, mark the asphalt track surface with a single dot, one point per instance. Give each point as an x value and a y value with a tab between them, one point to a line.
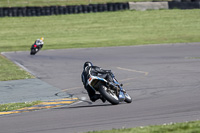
163	80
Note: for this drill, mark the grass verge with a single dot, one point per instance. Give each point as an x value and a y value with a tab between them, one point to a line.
10	71
14	106
186	127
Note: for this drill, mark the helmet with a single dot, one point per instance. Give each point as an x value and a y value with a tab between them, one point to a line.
86	64
42	38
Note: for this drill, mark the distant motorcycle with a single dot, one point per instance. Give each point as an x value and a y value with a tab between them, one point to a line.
37	46
111	91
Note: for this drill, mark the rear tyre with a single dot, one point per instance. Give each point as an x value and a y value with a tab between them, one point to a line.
128	99
109	95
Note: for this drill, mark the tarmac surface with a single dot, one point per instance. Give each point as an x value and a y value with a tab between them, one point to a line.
163	80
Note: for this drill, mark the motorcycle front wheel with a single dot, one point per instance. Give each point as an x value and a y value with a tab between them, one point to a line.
109	95
128	99
33	52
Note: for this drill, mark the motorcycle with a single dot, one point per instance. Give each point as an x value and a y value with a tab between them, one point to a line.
36	47
111	91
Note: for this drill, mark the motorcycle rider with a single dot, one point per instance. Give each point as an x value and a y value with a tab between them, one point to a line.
39	42
89	69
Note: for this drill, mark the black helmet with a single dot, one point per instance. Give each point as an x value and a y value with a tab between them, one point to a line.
87	63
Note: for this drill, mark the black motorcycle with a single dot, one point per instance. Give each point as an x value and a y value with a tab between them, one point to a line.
36	47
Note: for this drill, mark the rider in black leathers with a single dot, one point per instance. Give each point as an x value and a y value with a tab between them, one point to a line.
39	42
89	69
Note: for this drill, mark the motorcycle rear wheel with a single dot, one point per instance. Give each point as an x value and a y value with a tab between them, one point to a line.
108	95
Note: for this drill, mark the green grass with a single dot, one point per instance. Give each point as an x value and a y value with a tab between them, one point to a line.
101	29
187	127
9	71
105	29
14	106
21	3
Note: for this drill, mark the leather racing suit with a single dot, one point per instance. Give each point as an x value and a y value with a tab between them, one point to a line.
95	71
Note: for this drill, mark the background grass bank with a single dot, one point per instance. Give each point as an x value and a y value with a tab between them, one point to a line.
101	29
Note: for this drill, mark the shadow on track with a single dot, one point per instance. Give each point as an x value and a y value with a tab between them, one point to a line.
89	105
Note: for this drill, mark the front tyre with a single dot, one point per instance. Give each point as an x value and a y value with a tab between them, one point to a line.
128	99
109	95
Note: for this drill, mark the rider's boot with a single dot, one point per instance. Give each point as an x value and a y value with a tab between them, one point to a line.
102	99
96	97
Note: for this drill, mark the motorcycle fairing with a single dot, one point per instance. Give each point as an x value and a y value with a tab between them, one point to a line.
92	79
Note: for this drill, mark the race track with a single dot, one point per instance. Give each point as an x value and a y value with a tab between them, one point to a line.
163	80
